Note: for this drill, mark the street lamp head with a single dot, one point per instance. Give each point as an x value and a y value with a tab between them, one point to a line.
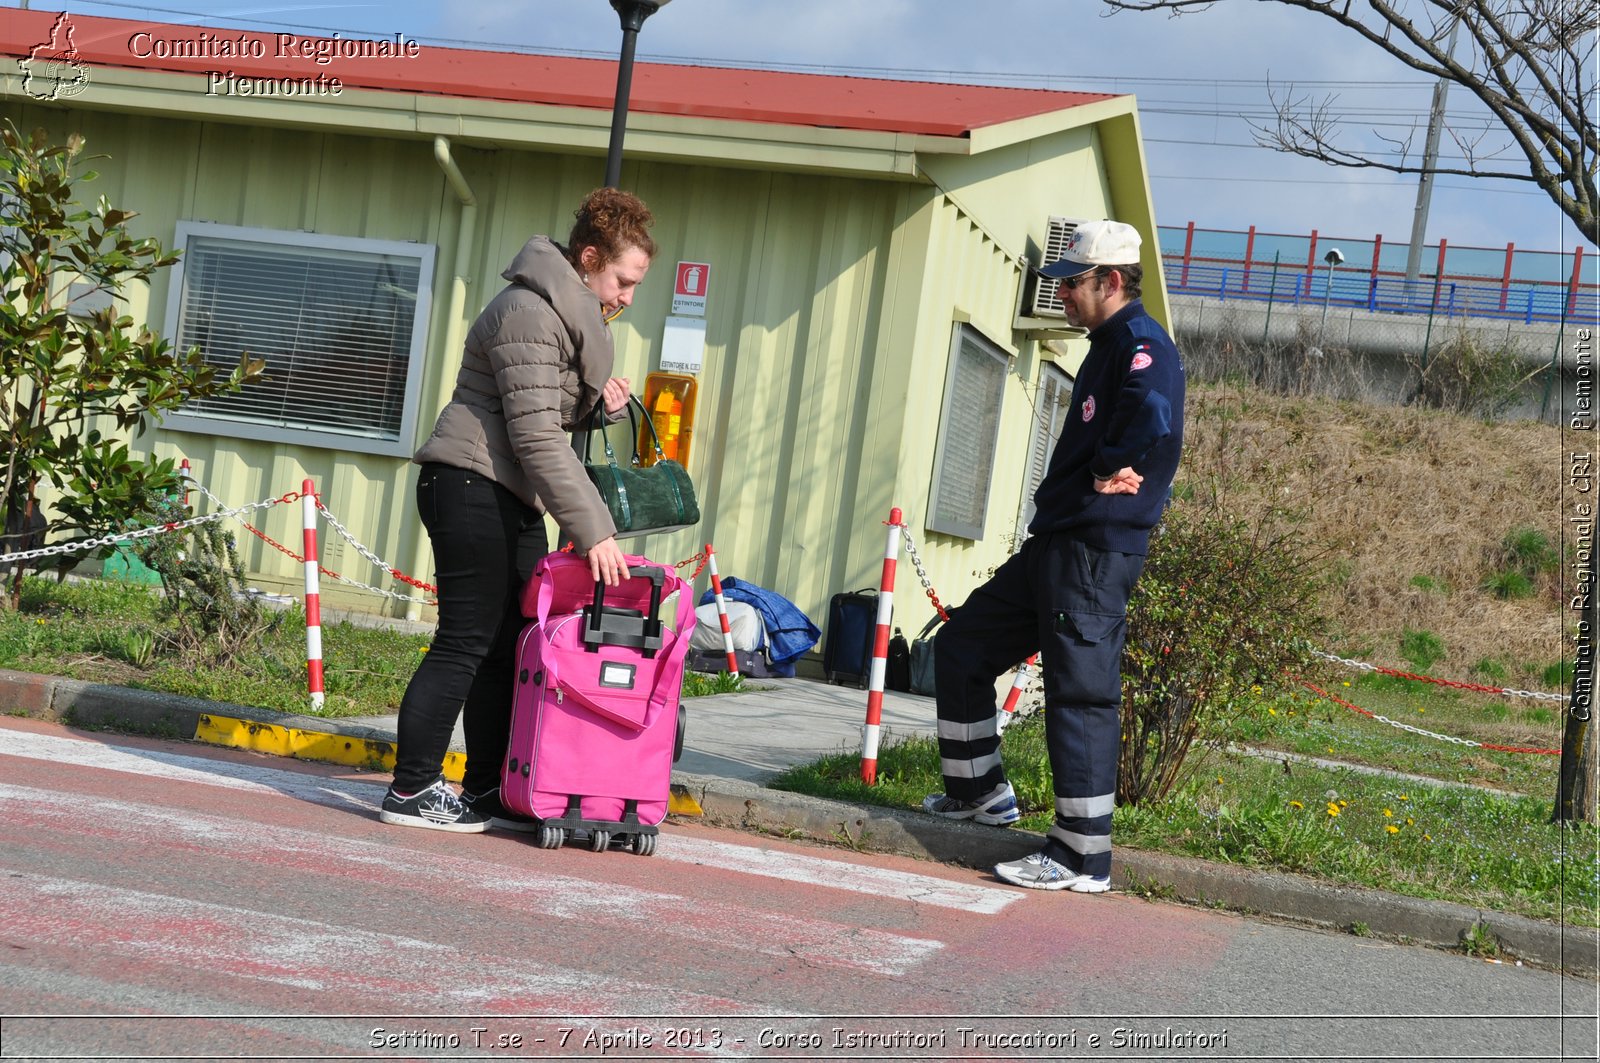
634	12
1333	257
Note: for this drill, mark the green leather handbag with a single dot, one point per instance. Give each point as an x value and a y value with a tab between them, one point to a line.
643	499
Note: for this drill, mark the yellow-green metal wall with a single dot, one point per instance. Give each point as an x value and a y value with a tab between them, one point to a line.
829	321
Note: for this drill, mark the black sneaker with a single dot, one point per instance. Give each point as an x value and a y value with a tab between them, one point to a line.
487	805
437	808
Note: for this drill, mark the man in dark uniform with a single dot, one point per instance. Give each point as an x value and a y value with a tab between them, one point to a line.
1065	593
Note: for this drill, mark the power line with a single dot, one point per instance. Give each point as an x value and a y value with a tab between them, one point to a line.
1486	157
1477	187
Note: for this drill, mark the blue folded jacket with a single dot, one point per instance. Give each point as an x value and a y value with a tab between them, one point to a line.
790	633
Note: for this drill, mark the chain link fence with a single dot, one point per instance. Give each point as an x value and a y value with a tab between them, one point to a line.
1484	367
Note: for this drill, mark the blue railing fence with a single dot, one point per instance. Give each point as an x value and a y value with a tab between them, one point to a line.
1509	283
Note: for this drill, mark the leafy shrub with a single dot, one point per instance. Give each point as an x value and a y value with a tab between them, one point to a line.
1223	605
73	374
1421	648
204	583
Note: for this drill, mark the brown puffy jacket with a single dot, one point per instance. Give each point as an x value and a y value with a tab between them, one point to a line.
532	369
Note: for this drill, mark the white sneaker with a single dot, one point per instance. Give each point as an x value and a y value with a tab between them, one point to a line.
1037	871
997	808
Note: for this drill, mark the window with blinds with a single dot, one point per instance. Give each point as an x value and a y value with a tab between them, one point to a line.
969	426
341	324
1049	418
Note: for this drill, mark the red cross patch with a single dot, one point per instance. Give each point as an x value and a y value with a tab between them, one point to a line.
1088	408
1140	361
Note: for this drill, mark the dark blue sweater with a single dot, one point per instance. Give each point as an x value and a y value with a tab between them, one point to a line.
1127	411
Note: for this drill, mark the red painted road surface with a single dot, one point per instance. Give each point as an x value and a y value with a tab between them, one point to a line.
161	899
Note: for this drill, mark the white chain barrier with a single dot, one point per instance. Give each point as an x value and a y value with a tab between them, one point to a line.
1363	666
1427	734
344	533
922	573
1419	731
139	533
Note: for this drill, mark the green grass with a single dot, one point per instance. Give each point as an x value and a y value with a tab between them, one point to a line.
96	630
1461	844
1448	841
1301	721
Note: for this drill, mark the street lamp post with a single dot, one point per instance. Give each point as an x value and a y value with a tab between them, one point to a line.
1332	258
632	13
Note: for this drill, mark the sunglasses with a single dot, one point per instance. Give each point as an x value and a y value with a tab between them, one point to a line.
1071	283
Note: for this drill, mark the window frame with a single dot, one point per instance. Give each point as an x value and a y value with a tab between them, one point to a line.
219	424
1054	400
960	335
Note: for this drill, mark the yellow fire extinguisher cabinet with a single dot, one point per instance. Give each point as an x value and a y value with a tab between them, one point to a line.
669	398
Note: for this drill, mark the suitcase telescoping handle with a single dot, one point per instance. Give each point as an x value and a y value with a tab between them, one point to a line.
616	626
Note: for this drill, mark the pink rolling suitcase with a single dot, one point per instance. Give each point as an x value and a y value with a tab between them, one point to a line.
597	722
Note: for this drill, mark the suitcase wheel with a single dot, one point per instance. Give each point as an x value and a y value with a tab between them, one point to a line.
600	841
548	837
644	844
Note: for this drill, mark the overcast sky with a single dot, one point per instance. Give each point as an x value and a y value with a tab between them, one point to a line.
1193	77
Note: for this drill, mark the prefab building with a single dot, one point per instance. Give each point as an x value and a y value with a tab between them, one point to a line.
865	326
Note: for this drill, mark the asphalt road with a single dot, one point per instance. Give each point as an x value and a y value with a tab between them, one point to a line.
162	900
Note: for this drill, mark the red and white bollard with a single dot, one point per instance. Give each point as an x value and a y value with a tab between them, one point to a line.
880	654
308	514
1009	709
722	611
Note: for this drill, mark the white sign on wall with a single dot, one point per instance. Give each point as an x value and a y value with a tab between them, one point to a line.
683	345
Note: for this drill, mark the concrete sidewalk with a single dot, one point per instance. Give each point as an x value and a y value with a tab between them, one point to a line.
753	737
736	743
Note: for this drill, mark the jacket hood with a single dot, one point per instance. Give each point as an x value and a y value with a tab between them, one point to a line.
542	267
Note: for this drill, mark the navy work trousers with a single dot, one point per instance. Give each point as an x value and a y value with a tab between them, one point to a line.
486	542
1069	602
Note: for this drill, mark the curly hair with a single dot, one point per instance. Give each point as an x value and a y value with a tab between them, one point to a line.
610	221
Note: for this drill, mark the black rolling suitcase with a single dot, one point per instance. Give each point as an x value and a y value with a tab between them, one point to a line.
847	643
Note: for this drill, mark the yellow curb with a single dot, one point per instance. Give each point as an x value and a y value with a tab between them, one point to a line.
369	753
682	803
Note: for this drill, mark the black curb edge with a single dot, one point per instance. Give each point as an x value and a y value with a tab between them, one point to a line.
747	806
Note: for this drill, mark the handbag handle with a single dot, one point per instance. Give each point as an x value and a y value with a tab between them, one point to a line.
597	423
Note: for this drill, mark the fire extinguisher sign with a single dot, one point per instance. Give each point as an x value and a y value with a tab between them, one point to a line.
689	291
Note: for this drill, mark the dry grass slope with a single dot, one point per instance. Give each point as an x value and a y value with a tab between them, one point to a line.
1395	494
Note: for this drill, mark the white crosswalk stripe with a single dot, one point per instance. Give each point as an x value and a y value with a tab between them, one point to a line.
748	859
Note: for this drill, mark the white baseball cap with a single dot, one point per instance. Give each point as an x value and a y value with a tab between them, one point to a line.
1096	243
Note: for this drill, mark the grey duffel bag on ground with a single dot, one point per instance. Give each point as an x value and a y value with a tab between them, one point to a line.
922	659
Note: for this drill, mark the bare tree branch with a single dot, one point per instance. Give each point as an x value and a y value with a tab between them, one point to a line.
1530	63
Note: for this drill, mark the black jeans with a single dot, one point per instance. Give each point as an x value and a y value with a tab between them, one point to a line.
486	542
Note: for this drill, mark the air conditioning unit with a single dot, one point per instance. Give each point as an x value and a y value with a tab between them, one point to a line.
1042	300
1038	309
